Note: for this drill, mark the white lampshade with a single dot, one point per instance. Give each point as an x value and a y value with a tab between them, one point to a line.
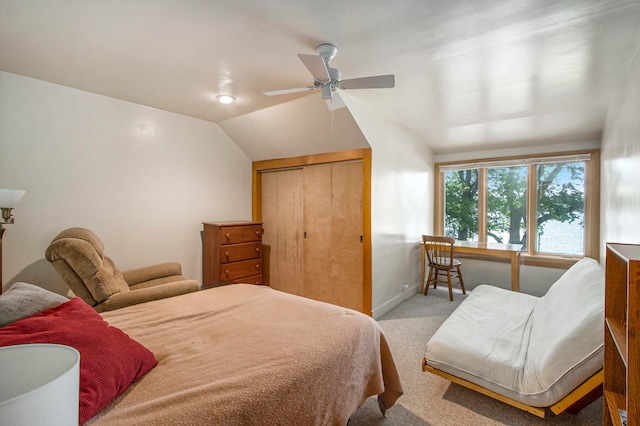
10	197
40	385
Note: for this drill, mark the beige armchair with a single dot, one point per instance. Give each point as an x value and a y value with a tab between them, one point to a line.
78	256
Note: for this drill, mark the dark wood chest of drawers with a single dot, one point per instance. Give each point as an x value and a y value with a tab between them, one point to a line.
232	253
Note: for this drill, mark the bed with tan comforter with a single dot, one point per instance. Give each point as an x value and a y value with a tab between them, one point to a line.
245	354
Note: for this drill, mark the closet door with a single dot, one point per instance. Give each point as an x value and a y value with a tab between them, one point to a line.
282	213
333	222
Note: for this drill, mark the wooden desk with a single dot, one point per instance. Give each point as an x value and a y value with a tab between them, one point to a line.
505	251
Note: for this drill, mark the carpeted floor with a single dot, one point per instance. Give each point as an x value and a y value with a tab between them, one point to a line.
432	400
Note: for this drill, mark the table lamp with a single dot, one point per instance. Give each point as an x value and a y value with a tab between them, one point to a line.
40	385
8	200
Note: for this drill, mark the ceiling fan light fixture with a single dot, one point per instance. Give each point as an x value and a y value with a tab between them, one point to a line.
225	99
329	79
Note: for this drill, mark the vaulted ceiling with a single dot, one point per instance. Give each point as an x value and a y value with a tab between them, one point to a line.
470	74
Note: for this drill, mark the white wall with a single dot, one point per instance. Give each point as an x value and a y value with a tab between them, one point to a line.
143	179
300	127
401	203
534	280
621	164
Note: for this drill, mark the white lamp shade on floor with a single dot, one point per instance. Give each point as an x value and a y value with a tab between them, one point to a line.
40	385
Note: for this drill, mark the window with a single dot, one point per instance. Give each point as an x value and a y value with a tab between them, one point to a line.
560	208
461	209
547	204
506	204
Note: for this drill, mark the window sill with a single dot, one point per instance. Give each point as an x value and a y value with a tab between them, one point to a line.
541	260
549	261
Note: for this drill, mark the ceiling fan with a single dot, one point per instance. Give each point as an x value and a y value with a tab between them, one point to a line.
329	80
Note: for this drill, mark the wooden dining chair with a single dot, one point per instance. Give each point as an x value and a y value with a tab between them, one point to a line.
442	264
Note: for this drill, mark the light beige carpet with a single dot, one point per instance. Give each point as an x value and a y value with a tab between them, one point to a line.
432	400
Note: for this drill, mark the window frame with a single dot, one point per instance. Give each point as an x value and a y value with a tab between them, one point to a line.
529	256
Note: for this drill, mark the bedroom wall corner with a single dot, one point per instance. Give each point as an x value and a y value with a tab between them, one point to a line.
401	204
620	199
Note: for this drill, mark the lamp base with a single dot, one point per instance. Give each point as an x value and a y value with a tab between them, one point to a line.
6	215
1	233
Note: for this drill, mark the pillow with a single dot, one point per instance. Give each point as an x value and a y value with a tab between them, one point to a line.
109	359
22	300
567	323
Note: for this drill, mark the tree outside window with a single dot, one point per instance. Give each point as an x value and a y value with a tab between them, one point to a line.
558	208
461	205
507	205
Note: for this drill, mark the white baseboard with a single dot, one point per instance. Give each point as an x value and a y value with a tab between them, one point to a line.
389	305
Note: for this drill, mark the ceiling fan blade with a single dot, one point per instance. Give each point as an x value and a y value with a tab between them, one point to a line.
335	102
316	66
287	91
377	82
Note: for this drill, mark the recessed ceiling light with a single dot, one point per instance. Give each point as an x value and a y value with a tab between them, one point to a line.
225	99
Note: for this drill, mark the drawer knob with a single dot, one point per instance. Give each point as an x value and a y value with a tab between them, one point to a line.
258	249
257	266
226	272
228	235
226	253
258	232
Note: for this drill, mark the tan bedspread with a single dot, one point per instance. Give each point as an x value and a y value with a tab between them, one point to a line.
245	354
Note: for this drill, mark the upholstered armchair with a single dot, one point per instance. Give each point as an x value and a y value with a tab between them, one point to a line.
78	256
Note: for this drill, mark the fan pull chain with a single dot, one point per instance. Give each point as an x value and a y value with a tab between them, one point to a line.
332	120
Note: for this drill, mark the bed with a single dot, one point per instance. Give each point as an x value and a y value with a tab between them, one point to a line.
237	354
527	351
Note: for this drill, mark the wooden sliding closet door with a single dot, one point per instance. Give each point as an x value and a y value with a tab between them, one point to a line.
282	213
333	249
312	220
